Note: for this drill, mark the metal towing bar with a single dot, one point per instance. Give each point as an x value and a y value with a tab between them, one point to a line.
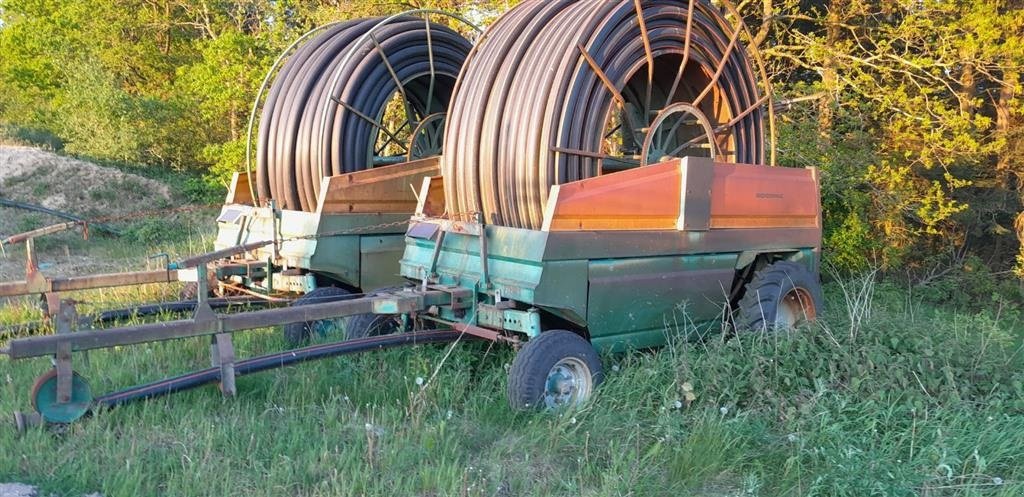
61	395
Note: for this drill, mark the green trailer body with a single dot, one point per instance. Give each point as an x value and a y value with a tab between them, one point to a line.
354	238
358	250
623	289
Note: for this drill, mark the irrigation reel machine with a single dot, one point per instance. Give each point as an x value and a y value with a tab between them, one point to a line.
600	164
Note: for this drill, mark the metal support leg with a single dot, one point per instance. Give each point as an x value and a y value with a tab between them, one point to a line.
67	318
203	310
222	352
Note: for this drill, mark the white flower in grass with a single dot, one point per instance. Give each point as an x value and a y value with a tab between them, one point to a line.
724	410
677	404
615	367
419	381
997	480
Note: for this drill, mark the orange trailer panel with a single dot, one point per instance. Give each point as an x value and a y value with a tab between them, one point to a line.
692	194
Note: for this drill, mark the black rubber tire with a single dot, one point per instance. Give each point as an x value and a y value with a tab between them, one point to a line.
372	325
759	306
297	334
529	373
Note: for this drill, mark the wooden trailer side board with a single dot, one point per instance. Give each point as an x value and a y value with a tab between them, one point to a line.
239	192
692	194
388	189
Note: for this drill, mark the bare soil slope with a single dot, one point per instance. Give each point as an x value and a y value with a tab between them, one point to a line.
74	186
67	184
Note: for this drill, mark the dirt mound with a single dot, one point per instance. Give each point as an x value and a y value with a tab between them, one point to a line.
72	185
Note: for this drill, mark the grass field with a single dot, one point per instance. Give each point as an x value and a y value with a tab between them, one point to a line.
888	396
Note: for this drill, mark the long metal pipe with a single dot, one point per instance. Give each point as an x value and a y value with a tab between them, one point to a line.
55	213
14	288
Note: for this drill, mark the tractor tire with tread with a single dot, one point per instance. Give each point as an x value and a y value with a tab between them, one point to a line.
784	286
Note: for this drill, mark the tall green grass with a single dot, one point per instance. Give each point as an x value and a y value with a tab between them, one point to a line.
888	397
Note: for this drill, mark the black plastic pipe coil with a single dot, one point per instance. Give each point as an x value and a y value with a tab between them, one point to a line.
527	94
313	122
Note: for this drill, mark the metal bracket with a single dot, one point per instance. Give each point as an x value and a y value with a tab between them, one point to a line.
461	298
202	291
275	224
483	252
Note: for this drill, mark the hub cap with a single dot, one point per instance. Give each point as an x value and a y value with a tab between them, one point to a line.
569	383
796	307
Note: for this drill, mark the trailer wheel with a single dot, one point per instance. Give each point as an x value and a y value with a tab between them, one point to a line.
296	334
372	325
44	398
780	296
555	370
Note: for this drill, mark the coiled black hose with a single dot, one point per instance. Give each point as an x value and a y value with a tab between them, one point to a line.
277	360
534	104
321	115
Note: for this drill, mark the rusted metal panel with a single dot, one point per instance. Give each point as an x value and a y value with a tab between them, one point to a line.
745	196
381	189
636	199
240	191
696	176
430	201
692	194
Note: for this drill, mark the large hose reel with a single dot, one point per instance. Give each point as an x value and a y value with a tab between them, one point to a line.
563	90
333	104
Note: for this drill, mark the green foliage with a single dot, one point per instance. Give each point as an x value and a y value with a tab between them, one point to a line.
161	83
225	160
930	89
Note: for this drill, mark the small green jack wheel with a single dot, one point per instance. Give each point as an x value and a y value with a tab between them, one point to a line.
44	398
